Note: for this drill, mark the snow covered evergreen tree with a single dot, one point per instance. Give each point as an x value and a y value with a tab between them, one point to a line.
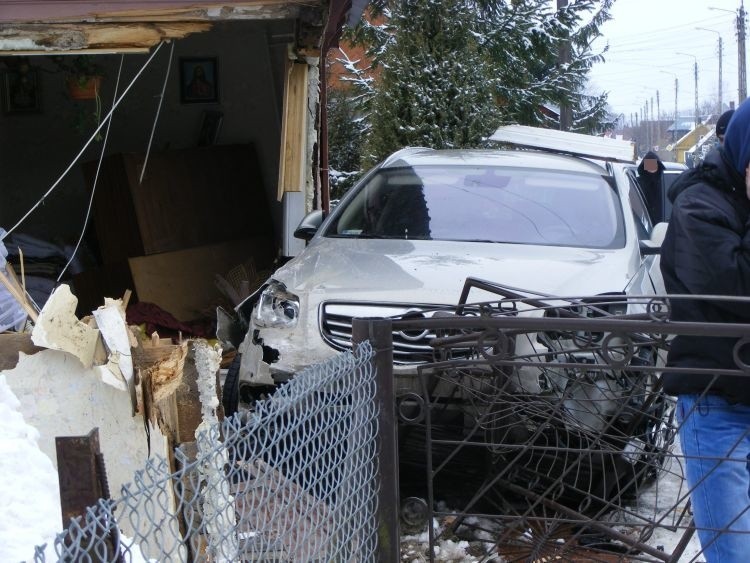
346	131
433	87
451	71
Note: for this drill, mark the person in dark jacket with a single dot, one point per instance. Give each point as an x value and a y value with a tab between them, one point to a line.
706	251
651	178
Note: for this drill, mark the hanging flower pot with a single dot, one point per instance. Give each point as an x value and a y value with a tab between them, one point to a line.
83	87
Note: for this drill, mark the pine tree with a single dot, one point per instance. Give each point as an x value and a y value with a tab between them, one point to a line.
451	71
346	131
432	91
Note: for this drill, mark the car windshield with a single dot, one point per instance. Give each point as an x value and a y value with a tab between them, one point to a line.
483	203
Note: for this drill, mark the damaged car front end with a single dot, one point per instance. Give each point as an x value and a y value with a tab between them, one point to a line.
403	241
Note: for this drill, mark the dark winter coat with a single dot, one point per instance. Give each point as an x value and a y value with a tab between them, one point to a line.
651	185
706	251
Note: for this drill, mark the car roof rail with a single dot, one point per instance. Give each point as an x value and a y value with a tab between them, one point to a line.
565	142
406	151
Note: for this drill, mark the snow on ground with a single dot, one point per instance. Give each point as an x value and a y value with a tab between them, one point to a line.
29	488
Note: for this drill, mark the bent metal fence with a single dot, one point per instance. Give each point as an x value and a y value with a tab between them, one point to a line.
292	480
540	432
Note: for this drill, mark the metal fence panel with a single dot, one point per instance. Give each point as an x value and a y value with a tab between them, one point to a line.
291	480
541	431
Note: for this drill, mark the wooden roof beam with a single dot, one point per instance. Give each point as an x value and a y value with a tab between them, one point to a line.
55	38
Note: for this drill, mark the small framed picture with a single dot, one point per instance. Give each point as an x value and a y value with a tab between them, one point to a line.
199	80
21	91
210	127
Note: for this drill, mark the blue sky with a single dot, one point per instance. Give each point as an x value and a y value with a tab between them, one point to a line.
645	37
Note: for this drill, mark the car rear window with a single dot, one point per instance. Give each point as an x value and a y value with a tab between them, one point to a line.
487	204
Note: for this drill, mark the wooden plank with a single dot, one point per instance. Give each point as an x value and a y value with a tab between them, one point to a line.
151	10
11	345
65	37
183	282
294	131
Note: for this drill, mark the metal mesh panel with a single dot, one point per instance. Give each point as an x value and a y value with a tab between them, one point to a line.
294	479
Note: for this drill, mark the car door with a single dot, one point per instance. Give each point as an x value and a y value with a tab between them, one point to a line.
650	263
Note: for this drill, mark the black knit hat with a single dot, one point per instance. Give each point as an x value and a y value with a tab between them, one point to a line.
723	121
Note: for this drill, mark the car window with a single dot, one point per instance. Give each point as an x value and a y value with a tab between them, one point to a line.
484	203
640	212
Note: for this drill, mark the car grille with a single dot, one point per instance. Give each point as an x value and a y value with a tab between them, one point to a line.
409	347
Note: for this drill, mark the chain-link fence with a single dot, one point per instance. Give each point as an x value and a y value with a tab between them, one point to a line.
294	479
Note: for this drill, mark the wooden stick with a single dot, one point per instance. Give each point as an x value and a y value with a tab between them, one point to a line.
15	291
23	271
126	299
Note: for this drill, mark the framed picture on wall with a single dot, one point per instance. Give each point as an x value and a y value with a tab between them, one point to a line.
21	91
199	80
210	127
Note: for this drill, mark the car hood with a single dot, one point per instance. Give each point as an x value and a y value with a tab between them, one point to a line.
435	271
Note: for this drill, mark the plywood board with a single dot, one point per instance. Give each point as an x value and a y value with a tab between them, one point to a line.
183	282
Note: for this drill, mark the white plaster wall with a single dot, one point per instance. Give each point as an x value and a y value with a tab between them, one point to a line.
59	397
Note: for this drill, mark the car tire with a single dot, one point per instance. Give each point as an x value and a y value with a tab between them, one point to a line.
230	393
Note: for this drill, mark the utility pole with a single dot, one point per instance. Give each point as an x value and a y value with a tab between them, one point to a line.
658	119
676	90
695	74
652	132
742	74
721	74
697	111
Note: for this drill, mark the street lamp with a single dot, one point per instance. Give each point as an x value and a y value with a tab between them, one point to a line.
741	72
695	71
721	50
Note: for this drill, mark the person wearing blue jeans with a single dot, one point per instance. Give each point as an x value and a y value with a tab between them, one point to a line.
706	251
715	440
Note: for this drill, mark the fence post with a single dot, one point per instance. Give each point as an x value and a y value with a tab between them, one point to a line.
79	474
379	333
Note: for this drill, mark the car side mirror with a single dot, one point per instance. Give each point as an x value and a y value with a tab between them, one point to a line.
653	245
309	225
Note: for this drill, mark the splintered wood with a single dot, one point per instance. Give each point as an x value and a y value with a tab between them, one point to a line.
160	366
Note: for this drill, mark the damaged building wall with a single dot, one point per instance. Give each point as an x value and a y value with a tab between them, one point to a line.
59	397
36	146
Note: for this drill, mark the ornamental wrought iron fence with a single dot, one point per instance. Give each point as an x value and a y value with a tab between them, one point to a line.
541	431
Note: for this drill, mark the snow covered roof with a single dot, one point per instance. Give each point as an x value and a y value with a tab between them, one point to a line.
604	148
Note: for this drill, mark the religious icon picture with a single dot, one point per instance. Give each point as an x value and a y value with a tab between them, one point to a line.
199	81
21	90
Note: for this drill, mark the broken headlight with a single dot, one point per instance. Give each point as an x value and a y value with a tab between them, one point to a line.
277	307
